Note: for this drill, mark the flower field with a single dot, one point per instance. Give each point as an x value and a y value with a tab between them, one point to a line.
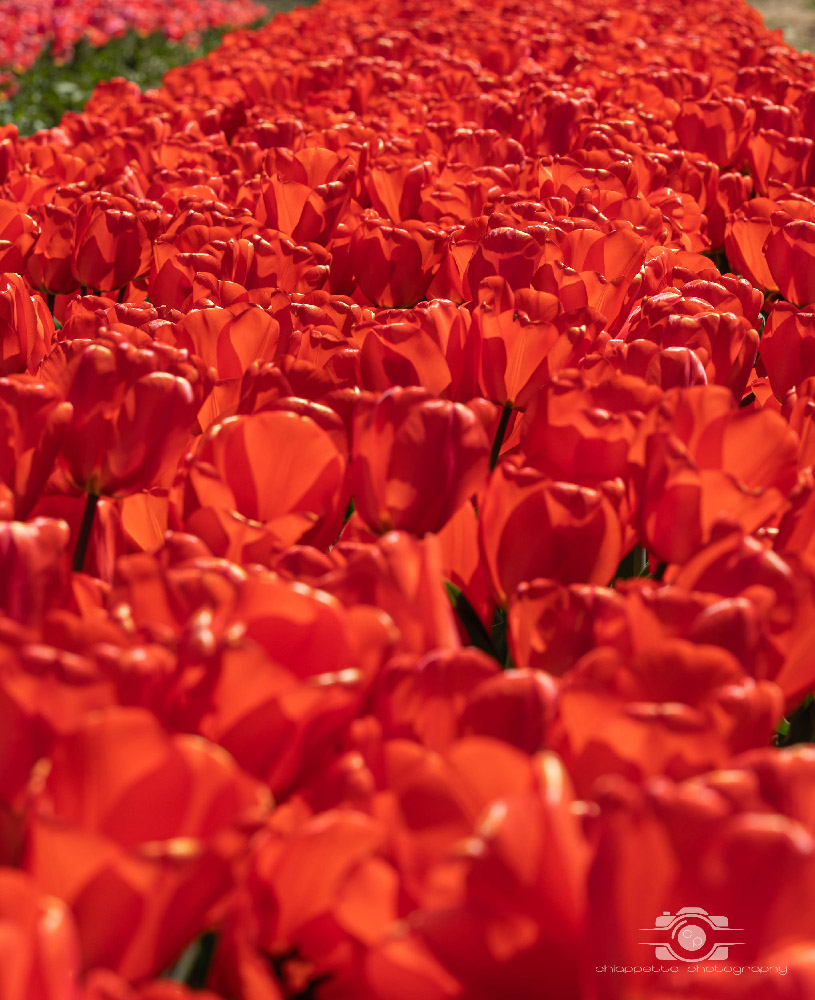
407	477
31	26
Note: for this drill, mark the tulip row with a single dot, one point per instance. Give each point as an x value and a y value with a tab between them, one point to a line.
32	26
407	473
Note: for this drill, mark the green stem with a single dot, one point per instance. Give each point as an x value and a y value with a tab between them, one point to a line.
50	301
506	413
85	531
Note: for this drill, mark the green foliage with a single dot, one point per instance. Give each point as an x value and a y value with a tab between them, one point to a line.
47	90
799	726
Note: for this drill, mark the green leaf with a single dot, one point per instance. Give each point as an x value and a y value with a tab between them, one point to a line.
473	626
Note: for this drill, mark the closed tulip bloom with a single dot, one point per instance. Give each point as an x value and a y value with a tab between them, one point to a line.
790	253
18	234
700	460
417	459
134	410
534	527
788	346
48	268
394	264
39	949
34	557
33	420
720	128
745	233
26	326
113	239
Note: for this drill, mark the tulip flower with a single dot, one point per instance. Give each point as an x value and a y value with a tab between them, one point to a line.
745	235
112	238
719	128
424	699
532	526
403	576
522	868
39	950
417	459
26	327
668	710
283	697
33	421
142	826
787	349
306	192
133	411
48	268
394	264
780	589
267	480
18	235
709	463
35	560
707	318
790	252
580	433
701	833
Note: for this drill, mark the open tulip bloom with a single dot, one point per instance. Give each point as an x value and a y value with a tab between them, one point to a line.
407	509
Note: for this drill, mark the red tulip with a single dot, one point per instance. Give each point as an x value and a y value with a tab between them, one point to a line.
285	695
701	836
112	240
787	349
700	462
507	911
49	266
774	157
581	433
136	829
516	356
780	589
719	127
790	251
306	192
534	527
417	459
394	264
424	700
267	480
133	411
551	626
708	318
33	420
35	567
677	709
745	235
516	706
403	576
18	234
400	353
39	951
